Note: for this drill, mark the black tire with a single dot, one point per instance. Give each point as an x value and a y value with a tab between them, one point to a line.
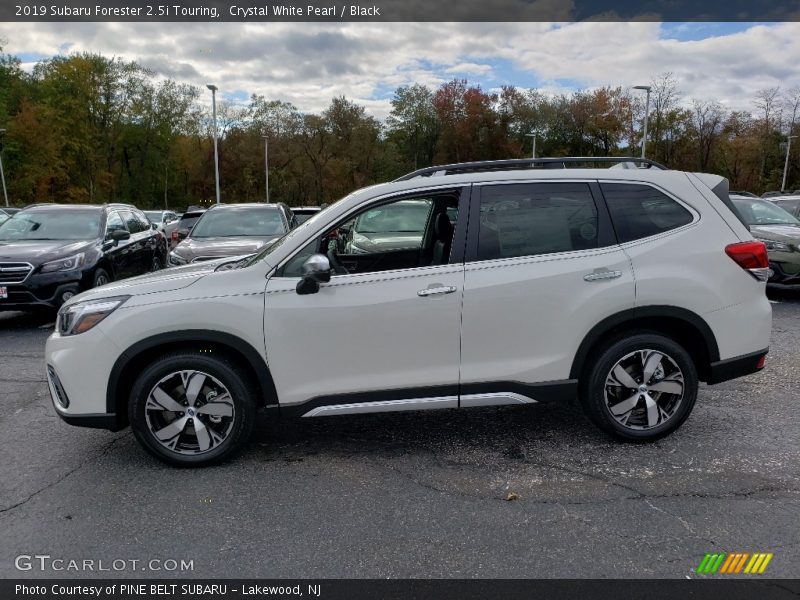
101	277
156	265
598	404
225	371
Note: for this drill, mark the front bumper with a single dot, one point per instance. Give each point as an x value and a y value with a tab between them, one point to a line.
784	274
44	290
77	374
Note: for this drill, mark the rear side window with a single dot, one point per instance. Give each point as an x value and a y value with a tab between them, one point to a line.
531	219
639	211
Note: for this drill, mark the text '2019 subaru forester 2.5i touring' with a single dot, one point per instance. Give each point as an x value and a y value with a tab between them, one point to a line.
622	287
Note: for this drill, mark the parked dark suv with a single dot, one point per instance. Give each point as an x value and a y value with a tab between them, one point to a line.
50	252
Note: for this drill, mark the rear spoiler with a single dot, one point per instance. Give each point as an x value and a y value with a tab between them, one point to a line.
720	187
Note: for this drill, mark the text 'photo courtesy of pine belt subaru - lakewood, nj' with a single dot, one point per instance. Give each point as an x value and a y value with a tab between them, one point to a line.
510	282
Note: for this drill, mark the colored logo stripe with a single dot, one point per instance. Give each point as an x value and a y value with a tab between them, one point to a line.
724	563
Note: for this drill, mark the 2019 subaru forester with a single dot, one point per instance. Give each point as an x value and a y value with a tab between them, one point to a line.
623	287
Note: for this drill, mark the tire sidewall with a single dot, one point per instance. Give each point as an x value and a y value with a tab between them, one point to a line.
97	274
218	367
593	393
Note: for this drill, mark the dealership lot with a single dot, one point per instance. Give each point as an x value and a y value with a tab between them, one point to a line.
415	494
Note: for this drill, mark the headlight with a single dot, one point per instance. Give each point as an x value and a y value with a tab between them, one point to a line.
82	316
176	259
777	246
65	264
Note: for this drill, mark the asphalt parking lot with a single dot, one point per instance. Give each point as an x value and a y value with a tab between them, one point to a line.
415	494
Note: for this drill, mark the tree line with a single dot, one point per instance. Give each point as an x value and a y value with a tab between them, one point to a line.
88	128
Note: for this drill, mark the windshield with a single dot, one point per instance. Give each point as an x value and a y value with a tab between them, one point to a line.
52	224
153	215
762	212
402	217
238	222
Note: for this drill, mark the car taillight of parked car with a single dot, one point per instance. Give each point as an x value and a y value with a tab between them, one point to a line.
752	257
174	235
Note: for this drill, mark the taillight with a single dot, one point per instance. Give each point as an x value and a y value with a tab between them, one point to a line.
752	257
761	362
174	235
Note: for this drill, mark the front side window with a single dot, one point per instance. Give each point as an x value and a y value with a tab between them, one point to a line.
532	219
134	225
114	223
403	234
639	211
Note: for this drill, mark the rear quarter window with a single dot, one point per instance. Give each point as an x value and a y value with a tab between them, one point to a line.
639	211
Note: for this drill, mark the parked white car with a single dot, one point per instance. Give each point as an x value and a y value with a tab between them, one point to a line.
620	287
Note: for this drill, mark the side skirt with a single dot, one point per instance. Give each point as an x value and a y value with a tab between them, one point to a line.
472	395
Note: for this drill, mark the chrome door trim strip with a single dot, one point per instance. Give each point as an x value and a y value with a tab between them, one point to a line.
494	399
384	406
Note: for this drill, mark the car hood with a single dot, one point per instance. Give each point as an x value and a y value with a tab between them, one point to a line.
166	280
779	233
219	247
37	252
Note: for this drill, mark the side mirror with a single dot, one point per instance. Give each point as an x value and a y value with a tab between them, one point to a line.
316	270
120	235
154	225
182	233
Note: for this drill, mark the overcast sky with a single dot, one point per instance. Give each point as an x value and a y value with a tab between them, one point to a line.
309	63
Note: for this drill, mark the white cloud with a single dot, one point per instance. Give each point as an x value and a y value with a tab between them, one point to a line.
309	63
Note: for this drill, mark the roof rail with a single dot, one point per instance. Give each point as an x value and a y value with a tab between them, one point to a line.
521	163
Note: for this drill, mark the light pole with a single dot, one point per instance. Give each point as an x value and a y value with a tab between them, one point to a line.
213	89
789	139
646	88
266	165
533	135
2	175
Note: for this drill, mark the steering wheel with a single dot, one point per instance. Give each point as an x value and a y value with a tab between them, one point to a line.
333	257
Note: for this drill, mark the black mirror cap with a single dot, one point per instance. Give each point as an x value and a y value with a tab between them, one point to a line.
120	235
307	285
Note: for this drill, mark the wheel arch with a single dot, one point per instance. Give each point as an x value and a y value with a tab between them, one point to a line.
684	326
135	358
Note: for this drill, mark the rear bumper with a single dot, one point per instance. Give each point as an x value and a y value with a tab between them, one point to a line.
739	366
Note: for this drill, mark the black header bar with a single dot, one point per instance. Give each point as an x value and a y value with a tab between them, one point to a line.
265	11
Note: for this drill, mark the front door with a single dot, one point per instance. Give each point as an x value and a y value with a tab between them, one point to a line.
385	334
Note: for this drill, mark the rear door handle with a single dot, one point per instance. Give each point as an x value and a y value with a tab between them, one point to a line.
600	275
435	290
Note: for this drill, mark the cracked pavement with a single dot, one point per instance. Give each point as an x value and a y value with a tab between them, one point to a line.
415	494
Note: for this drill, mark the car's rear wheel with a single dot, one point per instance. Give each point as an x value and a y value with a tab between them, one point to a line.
640	387
156	264
190	409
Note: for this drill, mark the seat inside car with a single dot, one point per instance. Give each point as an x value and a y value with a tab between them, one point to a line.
443	229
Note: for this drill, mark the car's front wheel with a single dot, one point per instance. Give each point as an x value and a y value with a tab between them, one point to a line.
192	409
640	387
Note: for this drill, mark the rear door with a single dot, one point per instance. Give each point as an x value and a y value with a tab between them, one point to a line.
542	268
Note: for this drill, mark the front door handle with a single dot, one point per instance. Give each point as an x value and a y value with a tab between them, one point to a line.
601	274
435	290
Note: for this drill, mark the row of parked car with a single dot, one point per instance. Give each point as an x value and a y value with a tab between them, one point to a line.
775	220
50	252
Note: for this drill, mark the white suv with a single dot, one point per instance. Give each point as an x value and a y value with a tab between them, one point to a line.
477	284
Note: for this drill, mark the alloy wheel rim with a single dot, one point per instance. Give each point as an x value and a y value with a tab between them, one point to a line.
189	412
644	389
102	280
